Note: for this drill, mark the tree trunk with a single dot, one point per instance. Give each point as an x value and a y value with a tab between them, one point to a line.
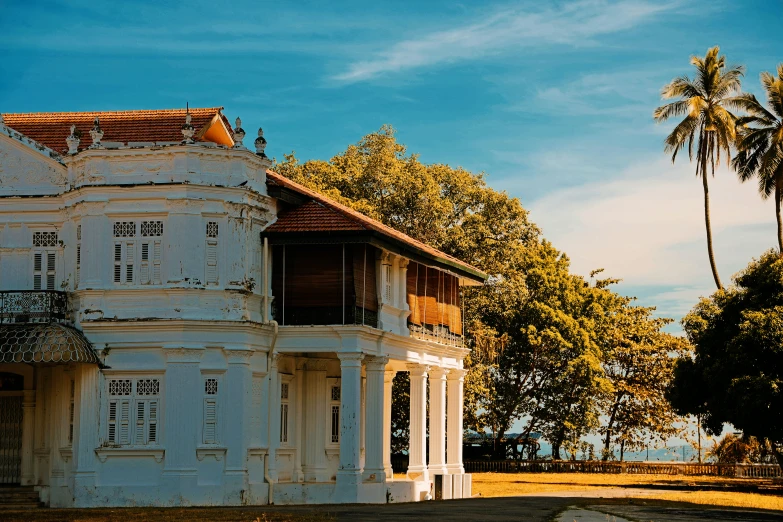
778	195
622	450
710	252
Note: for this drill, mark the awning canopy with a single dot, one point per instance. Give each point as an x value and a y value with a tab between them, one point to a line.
45	344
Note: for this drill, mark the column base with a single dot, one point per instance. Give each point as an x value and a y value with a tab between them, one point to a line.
455	469
389	473
348	477
374	475
418	473
439	469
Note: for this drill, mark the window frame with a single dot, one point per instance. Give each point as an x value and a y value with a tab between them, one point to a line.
133	400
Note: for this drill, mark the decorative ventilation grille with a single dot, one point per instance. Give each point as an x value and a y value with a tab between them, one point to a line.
212	229
124	229
147	387
120	387
335	393
44	239
284	391
211	387
151	228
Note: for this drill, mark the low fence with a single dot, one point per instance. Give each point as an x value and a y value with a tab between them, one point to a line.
644	468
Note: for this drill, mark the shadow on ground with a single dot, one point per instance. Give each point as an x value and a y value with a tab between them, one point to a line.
528	508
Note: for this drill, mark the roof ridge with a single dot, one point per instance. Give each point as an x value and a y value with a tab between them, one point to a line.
133	111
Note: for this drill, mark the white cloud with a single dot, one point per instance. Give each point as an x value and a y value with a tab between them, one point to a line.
647	227
572	24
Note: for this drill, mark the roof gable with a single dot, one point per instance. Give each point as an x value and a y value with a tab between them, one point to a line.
144	126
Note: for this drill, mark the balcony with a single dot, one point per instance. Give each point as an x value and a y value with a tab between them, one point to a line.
33	306
438	335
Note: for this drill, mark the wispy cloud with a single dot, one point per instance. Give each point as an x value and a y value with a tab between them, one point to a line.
573	24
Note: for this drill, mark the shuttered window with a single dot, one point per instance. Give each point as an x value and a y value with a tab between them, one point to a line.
334	409
284	412
137	258
44	270
134	412
211	389
71	411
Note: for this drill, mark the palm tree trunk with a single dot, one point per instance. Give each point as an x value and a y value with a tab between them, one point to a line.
778	195
710	252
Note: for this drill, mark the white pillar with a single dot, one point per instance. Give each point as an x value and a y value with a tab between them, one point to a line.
349	471
437	462
298	391
456	379
417	451
28	437
239	387
88	407
315	406
374	468
388	383
184	390
274	417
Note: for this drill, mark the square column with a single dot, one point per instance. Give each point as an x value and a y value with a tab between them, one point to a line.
349	472
274	416
28	436
388	384
239	387
456	380
88	381
417	451
438	421
374	469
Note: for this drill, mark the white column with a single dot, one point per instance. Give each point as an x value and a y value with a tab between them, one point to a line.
274	417
238	414
315	406
374	468
28	436
456	379
88	407
417	451
298	391
388	383
184	390
349	472
438	421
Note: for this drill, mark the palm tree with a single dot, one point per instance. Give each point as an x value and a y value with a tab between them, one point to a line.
708	126
760	148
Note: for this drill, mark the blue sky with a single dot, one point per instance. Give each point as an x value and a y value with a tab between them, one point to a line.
552	100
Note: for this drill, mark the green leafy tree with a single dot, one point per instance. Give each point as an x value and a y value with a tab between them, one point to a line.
708	126
760	143
639	362
736	373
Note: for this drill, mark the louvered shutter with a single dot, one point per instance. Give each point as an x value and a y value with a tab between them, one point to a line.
124	421
156	262
152	422
144	264
51	259
78	263
118	262
130	259
37	265
113	421
210	421
141	418
211	257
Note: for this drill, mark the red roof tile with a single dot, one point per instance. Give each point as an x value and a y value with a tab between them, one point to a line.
325	214
160	126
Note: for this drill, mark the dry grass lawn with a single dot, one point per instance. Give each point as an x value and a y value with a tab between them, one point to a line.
513	484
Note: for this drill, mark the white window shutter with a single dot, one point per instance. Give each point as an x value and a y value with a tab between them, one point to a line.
130	259
78	263
141	418
144	264
113	421
118	262
51	260
152	422
37	265
210	421
156	263
124	422
212	269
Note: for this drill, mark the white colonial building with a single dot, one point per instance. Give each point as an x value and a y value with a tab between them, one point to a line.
179	325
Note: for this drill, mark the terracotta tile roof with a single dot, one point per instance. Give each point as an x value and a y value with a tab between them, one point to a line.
313	217
51	128
326	215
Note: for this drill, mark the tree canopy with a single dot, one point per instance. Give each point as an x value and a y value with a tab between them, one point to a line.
736	373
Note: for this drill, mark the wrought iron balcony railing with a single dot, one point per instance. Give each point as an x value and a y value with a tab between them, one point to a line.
33	306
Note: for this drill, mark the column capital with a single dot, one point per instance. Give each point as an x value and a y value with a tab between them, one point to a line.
314	365
238	356
183	355
388	375
438	373
418	370
376	363
350	358
457	374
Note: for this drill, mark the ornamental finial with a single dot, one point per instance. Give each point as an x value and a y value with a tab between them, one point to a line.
239	134
73	140
187	129
260	143
96	134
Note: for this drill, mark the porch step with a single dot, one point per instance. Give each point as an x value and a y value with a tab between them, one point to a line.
19	497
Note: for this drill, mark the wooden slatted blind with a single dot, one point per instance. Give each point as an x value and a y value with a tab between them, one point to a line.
433	297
